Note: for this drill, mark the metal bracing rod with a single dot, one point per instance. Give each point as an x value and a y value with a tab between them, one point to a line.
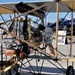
56	66
42	63
51	8
25	66
65	17
2	17
25	62
36	63
44	54
30	65
42	66
26	13
60	65
29	60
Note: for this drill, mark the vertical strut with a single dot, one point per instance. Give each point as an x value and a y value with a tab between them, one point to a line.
71	33
57	16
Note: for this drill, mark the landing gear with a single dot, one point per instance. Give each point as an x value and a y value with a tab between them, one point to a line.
70	70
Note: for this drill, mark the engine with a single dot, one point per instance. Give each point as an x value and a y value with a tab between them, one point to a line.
36	36
42	34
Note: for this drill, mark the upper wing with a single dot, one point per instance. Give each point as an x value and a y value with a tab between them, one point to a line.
20	7
63	6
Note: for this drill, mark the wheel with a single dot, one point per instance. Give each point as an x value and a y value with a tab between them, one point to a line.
70	70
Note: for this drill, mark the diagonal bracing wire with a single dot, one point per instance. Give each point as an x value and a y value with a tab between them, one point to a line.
30	65
25	66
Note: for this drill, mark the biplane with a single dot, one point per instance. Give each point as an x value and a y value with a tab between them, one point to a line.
33	42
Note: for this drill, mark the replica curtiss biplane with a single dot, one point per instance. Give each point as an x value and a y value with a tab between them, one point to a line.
27	40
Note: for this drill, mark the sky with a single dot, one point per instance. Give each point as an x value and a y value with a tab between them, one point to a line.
50	17
5	1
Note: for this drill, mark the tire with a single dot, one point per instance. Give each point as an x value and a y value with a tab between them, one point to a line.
70	70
